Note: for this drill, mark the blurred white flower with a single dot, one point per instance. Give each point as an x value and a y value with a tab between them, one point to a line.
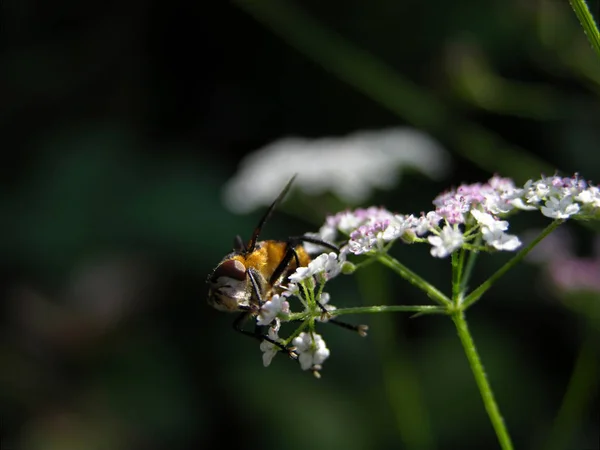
349	167
556	246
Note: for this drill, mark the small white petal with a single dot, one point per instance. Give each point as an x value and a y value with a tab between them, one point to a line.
306	361
449	240
268	348
563	208
276	306
301	273
500	240
520	204
590	196
482	217
311	349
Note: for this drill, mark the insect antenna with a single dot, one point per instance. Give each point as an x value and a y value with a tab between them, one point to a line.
252	243
238	244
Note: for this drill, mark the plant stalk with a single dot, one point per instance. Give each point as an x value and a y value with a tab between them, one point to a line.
482	382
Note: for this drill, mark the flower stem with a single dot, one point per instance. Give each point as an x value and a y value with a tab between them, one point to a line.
391	308
413	278
458	262
477	293
468	270
482	383
587	22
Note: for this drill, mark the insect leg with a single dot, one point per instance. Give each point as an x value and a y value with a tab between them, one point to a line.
360	329
252	310
238	325
285	261
254	277
316	241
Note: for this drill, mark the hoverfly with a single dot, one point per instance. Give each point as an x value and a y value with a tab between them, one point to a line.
253	272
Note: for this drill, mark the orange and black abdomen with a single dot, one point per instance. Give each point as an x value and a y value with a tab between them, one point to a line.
267	256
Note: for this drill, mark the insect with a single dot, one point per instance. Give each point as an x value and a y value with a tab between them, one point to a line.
253	272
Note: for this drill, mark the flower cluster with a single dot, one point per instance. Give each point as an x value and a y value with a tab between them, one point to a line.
471	214
350	167
472	217
306	283
560	198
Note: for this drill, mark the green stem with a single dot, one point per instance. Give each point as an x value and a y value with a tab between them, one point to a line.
413	278
477	293
481	380
458	262
305	323
419	309
468	270
392	308
587	22
580	391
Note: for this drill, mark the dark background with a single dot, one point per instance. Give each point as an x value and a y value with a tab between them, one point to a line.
121	122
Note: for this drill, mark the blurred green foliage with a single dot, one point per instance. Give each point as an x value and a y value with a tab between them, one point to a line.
121	125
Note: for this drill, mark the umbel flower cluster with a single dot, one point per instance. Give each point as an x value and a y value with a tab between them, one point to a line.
472	217
306	284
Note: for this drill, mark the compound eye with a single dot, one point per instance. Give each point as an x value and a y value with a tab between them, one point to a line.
231	268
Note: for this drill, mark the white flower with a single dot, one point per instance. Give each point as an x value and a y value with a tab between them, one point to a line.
361	241
590	196
559	198
539	190
485	219
520	204
560	208
328	265
273	308
426	222
347	221
268	348
500	240
492	231
350	167
497	204
488	222
369	237
311	349
448	240
301	274
291	289
397	227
